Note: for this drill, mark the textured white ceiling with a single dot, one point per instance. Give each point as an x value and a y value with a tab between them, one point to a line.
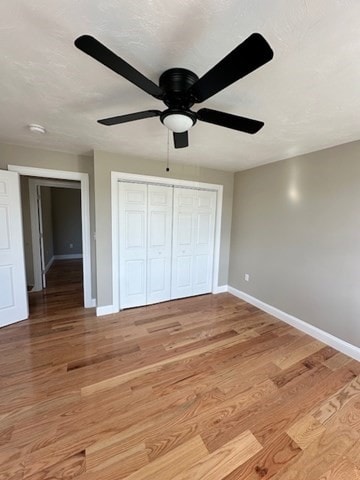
308	96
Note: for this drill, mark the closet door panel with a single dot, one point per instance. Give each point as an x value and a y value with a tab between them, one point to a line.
204	213
135	225
184	274
201	271
183	243
193	242
132	243
159	243
135	275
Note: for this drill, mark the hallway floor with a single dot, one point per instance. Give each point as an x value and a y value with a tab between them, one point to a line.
64	288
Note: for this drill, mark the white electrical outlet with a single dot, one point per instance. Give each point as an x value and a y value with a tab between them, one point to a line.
71	245
247	277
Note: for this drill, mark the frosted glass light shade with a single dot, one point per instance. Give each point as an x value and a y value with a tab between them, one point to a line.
178	123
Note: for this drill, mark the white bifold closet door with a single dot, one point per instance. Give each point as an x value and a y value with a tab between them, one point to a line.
145	224
160	199
193	242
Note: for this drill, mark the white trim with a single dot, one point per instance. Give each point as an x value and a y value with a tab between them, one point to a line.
133	177
50	262
47	173
107	310
83	178
56	183
35	240
114	243
221	289
93	302
217	240
118	176
335	342
70	256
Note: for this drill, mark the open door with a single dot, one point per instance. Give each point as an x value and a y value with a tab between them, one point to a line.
13	295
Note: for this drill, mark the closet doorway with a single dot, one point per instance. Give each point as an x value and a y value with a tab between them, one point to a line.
168	237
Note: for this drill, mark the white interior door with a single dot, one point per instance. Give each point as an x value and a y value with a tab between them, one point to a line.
193	242
13	295
133	244
159	243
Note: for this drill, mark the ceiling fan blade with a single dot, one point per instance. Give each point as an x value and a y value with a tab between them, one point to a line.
102	54
244	59
129	117
181	140
228	120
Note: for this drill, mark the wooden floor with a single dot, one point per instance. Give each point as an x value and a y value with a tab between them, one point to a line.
64	288
200	388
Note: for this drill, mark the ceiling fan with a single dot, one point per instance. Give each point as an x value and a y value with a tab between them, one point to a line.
180	88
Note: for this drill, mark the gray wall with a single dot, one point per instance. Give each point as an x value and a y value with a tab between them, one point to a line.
104	163
296	232
36	157
46	210
66	220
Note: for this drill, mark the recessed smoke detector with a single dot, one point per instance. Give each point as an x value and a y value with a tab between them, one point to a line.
35	128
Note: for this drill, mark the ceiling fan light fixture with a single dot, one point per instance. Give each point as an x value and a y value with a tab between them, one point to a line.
178	122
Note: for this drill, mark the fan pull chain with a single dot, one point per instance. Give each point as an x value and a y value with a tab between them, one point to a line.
168	149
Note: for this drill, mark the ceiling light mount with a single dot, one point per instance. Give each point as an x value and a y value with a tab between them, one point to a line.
35	128
178	121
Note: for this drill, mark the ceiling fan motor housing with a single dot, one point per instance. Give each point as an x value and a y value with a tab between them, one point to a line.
175	84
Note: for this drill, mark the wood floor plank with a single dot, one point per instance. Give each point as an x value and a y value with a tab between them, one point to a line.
337	361
120	467
169	466
206	387
114	464
293	356
344	470
199	421
126	377
305	431
337	401
268	461
321	455
353	455
224	460
272	415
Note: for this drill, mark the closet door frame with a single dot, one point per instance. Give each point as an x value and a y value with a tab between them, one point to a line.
117	177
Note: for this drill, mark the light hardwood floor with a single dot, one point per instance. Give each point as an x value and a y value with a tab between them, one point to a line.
200	388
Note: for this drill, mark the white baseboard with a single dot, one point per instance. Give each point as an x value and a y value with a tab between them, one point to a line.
220	289
93	302
106	310
70	256
50	262
335	342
